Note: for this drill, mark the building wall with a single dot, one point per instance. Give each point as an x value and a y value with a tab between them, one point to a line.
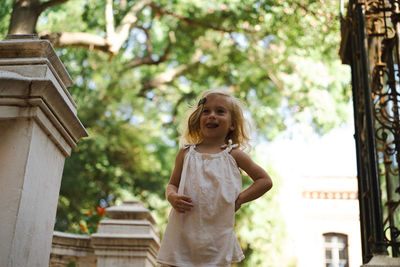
318	205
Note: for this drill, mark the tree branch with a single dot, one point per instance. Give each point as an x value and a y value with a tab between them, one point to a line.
51	3
187	21
306	9
148	60
149	46
115	37
123	30
169	75
87	40
109	20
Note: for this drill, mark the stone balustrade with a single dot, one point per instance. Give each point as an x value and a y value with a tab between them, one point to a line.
39	128
68	248
126	238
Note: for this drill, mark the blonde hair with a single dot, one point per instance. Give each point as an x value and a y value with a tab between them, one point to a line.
240	134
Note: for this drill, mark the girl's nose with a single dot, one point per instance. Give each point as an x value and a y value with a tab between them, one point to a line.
212	114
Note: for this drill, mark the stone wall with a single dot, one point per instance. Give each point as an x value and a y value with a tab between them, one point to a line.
126	238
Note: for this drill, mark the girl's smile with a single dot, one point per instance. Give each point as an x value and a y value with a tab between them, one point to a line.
211	125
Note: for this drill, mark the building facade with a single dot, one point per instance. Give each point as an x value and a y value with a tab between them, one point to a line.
323	221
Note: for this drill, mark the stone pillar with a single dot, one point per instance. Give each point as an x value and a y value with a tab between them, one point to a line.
68	247
38	129
127	238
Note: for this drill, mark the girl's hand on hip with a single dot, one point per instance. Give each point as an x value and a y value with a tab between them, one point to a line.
180	203
238	204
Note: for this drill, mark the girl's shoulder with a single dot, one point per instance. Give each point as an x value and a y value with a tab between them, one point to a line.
183	151
237	152
239	155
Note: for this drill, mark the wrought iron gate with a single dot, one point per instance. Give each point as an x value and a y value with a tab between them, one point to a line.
371	46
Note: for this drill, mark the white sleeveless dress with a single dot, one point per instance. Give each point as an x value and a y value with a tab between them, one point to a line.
204	237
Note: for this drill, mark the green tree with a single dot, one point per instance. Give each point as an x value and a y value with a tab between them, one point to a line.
138	64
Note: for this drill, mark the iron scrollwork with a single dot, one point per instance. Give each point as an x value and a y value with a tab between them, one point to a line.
386	99
371	45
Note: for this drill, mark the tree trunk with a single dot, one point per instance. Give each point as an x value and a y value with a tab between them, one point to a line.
24	16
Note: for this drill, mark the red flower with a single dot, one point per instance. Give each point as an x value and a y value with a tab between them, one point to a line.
83	228
101	211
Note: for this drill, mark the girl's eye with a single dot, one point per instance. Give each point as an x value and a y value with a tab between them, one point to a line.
220	111
206	111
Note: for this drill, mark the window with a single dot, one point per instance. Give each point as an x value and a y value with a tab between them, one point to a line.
336	251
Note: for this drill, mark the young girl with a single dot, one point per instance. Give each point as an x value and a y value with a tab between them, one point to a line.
205	186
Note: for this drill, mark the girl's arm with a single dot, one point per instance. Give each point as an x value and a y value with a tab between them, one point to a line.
180	203
262	181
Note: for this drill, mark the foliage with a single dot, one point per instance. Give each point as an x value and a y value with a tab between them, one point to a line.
265	51
5	16
90	221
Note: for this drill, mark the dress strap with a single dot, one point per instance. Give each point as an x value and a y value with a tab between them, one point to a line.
190	146
229	146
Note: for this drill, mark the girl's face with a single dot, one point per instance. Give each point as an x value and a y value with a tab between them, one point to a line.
216	120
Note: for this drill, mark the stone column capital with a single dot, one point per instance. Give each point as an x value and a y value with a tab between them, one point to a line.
33	84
